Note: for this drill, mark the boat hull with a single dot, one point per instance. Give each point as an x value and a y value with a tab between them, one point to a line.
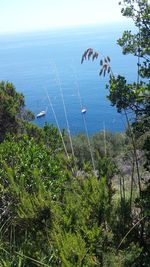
41	114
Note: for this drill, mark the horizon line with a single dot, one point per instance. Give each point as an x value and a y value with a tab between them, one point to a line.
64	27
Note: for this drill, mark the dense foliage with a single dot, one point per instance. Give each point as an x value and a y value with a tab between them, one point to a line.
12	111
51	217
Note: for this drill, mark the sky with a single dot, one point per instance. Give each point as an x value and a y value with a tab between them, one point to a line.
30	15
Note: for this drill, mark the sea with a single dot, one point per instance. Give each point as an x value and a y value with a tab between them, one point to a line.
46	67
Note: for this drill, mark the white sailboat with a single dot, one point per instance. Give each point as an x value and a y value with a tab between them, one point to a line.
42	113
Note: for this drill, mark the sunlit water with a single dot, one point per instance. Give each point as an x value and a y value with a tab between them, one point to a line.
37	63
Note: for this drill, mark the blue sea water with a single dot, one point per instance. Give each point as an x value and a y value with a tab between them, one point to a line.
41	62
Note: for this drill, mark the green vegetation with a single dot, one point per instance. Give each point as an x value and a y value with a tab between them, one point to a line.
54	210
12	111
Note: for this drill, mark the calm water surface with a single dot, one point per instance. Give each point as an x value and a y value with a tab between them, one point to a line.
41	62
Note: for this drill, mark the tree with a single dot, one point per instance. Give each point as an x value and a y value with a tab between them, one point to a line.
134	98
137	43
12	110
